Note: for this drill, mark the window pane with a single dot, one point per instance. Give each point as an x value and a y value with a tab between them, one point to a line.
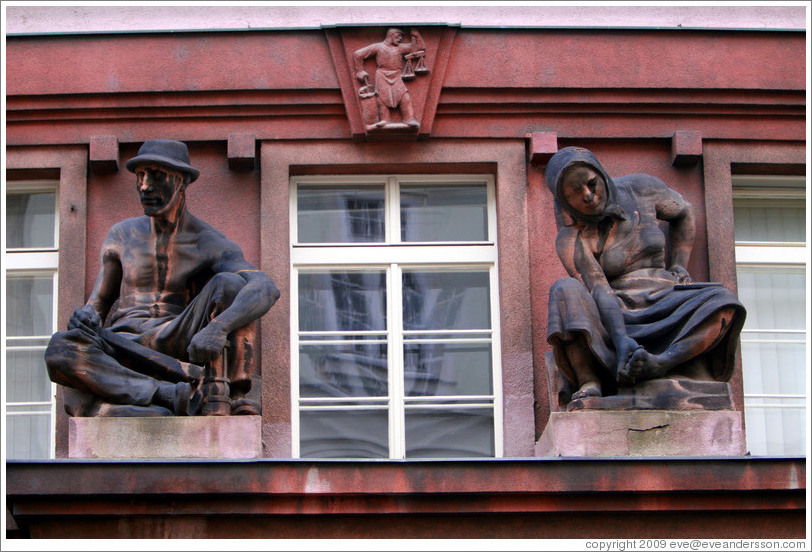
774	298
342	301
773	344
770	220
26	376
443	213
352	370
28	436
760	372
30	305
344	434
341	214
458	433
441	369
30	220
775	430
449	300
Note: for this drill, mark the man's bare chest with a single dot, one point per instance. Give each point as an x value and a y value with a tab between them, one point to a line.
159	265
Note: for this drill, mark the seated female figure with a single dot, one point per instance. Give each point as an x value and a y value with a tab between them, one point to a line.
627	314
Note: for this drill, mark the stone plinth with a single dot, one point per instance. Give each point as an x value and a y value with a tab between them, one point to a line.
643	433
166	437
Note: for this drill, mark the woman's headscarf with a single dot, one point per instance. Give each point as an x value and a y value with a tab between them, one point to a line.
554	173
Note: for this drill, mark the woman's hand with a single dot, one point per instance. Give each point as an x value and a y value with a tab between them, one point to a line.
681	275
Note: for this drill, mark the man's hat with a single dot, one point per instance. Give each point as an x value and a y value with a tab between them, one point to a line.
170	153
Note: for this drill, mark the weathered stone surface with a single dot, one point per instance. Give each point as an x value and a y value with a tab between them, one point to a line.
643	433
662	394
166	437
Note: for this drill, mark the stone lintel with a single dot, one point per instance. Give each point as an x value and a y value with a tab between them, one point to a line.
165	437
543	145
643	433
686	148
103	154
242	151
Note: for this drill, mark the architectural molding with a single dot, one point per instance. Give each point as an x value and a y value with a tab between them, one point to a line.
511	498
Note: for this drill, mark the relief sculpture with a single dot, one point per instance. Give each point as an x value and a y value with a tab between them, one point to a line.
629	328
170	324
395	62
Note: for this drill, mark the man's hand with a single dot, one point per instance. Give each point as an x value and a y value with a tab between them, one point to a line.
207	344
86	317
362	76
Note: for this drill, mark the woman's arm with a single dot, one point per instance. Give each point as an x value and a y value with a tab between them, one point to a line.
607	302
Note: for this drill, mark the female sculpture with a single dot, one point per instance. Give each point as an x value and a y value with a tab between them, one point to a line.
627	313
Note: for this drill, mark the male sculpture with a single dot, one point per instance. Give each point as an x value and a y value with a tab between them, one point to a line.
390	89
173	290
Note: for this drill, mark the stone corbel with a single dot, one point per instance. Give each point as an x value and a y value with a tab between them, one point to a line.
543	145
686	148
103	154
242	151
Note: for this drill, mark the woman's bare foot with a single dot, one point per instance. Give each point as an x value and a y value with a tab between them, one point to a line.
589	389
644	366
626	348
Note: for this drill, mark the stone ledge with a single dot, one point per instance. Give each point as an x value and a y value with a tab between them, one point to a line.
165	437
510	498
643	433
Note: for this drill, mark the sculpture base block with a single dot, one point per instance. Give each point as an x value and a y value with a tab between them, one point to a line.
166	437
662	394
643	433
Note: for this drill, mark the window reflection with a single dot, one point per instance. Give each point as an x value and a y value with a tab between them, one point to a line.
354	370
342	301
30	220
432	213
443	369
451	300
341	214
344	434
450	433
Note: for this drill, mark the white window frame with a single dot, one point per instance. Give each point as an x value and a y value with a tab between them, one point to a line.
393	256
773	256
23	262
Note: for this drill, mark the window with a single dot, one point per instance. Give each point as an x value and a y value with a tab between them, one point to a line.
770	230
31	277
395	338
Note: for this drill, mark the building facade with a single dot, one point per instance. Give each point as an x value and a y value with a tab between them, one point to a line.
435	238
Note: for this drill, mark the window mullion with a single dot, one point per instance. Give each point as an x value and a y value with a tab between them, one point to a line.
496	364
393	210
54	325
294	361
397	439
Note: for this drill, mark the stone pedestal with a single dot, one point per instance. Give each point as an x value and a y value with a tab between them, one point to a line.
643	433
166	437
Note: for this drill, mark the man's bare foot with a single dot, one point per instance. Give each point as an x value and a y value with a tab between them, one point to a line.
589	389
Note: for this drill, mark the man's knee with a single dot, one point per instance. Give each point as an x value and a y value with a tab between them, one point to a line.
63	353
227	283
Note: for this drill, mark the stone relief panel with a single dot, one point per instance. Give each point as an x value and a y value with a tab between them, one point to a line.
391	77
